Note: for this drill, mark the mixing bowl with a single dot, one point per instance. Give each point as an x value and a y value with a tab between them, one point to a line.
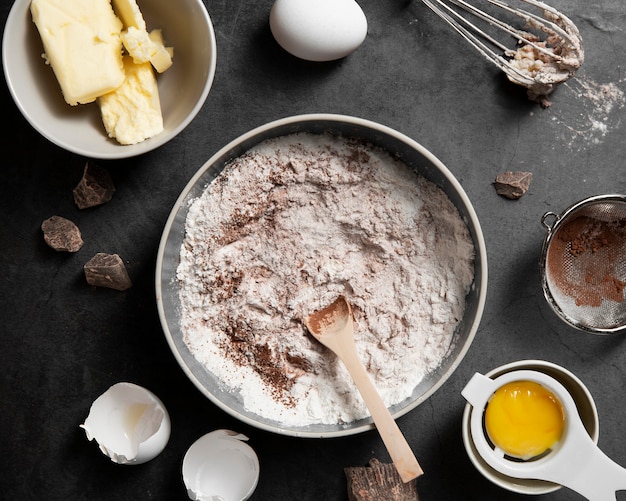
411	153
183	88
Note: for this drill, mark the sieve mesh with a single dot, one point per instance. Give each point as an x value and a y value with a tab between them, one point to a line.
585	265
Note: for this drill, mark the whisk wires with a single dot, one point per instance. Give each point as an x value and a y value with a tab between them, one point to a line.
454	13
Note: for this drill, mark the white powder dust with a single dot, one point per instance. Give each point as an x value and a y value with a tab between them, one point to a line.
285	229
595	115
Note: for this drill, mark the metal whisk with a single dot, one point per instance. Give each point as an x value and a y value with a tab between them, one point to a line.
547	49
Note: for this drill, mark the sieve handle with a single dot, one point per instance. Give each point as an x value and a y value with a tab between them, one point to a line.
549	215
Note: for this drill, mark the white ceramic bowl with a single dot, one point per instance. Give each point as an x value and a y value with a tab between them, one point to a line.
414	155
183	88
586	409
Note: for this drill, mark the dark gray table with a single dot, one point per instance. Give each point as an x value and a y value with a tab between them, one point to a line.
62	343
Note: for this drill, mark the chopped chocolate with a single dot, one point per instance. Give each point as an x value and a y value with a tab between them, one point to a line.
95	187
378	482
513	185
107	270
61	234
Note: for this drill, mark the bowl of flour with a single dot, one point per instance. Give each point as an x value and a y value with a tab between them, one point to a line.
280	222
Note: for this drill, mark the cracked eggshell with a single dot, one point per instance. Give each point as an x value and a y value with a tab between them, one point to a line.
220	465
129	423
320	30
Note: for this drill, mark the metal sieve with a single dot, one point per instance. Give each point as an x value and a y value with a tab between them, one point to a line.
583	263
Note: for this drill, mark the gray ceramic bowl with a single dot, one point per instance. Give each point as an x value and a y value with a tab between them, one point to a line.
412	154
183	88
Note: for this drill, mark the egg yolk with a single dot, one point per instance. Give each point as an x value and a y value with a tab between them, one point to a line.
524	419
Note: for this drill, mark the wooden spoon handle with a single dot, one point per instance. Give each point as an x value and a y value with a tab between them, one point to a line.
399	450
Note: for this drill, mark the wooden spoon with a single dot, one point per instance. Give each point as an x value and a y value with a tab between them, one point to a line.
333	327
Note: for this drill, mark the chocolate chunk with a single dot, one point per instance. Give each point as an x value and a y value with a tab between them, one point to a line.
107	270
513	185
95	187
61	234
378	482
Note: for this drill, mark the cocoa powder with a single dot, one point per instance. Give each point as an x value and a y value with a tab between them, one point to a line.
584	258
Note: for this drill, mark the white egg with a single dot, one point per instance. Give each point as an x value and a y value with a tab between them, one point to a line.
318	30
129	423
220	466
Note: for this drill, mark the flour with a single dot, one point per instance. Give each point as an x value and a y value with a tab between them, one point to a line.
285	229
596	112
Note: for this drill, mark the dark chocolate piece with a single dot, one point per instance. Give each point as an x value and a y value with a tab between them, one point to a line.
95	187
513	185
61	234
107	270
378	482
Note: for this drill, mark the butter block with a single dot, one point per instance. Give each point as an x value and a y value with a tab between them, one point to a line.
128	11
132	112
144	47
162	58
140	44
82	44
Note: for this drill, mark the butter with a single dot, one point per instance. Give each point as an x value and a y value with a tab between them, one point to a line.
144	47
82	44
162	58
132	112
128	11
140	44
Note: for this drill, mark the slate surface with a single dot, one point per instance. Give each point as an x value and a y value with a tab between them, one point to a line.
63	342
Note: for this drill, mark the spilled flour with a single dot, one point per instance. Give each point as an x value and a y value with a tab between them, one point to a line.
595	114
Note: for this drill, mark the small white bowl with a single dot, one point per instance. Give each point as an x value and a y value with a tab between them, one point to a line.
183	88
586	409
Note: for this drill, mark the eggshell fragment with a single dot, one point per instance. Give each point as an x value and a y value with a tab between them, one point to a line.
320	30
129	423
219	465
